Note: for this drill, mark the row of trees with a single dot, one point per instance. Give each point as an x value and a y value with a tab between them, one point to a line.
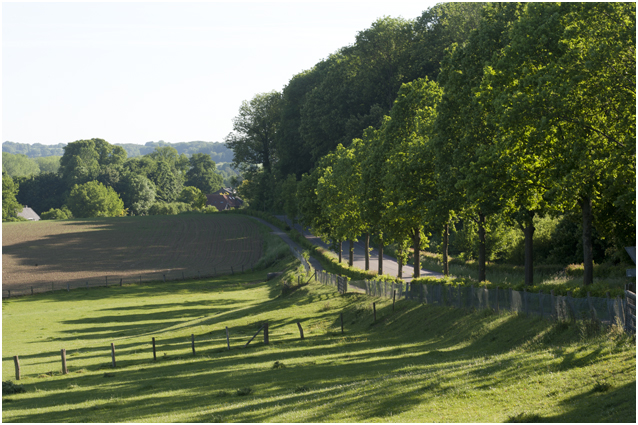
532	114
217	151
96	178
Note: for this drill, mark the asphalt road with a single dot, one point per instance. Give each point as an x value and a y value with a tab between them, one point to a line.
390	264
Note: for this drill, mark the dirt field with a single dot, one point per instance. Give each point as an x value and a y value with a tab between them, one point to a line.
76	252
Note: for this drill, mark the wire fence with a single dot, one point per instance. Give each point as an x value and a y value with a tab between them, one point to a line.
555	307
107	280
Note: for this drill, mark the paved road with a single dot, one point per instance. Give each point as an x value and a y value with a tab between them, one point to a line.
390	264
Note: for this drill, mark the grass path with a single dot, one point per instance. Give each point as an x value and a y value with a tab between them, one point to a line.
415	364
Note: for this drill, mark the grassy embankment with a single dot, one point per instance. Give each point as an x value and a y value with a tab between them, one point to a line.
416	364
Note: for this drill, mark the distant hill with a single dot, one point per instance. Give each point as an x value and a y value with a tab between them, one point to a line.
218	151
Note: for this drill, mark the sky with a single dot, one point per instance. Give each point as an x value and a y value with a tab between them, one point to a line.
146	71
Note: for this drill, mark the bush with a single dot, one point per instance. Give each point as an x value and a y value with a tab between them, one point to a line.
57	214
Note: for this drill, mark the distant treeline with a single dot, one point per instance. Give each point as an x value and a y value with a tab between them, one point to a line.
217	151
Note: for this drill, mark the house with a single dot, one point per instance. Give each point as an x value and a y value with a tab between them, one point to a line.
224	199
29	214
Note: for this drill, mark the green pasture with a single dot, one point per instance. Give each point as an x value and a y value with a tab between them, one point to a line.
417	363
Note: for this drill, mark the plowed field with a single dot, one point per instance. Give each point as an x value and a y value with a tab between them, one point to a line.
105	250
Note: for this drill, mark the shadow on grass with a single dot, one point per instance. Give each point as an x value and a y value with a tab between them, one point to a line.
412	348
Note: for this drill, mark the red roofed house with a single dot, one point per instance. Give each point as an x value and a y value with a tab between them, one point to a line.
224	199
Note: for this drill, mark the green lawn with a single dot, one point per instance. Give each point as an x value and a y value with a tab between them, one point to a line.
416	364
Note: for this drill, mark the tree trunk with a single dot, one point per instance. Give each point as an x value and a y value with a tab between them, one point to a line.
588	255
446	237
340	251
380	257
400	261
351	253
366	239
481	232
529	250
417	253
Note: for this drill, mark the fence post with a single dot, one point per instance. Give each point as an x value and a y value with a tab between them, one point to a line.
540	300
552	303
227	338
569	304
300	329
154	353
32	290
16	362
193	342
266	341
511	299
231	270
497	288
120	281
471	297
592	310
374	308
341	322
64	369
113	354
458	291
9	292
394	297
525	302
164	277
611	321
68	287
140	278
52	290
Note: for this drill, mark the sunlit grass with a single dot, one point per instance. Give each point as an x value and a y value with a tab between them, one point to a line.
417	363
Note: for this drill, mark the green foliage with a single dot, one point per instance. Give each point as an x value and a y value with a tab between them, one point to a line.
192	196
57	214
19	165
93	199
169	208
138	193
202	174
42	192
48	164
10	207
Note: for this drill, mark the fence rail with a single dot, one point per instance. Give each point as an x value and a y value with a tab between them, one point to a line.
9	291
547	305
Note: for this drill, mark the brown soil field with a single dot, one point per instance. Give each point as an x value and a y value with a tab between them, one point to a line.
105	250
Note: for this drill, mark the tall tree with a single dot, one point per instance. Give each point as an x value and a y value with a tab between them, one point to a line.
568	82
202	174
255	132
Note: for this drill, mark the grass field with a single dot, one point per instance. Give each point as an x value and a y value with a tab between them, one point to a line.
415	364
77	251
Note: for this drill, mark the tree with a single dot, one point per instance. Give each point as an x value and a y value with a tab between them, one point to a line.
93	199
255	132
85	160
137	192
567	83
202	174
410	185
18	165
192	196
462	131
10	207
48	164
338	197
42	192
167	180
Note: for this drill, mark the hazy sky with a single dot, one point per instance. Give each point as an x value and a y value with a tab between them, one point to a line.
138	72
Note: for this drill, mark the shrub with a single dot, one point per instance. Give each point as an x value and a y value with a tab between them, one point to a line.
57	214
8	387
